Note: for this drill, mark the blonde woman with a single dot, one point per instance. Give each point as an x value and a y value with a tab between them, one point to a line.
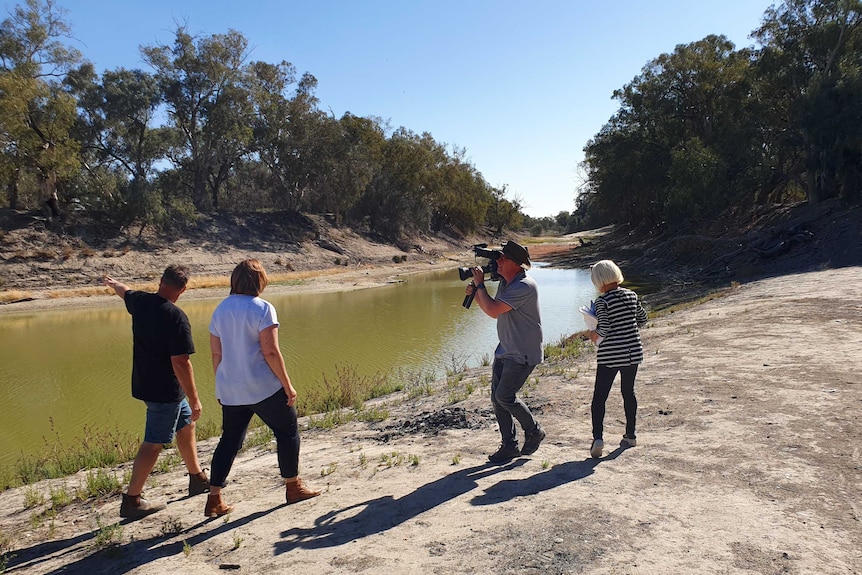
620	315
251	379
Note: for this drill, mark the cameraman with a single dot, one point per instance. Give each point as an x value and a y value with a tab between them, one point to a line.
519	327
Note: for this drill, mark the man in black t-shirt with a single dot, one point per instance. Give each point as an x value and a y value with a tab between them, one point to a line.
163	378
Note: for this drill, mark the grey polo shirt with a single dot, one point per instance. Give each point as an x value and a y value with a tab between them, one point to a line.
520	329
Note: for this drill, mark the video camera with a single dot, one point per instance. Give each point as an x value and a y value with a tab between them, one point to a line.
481	251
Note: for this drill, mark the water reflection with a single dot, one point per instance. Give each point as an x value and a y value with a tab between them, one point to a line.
71	368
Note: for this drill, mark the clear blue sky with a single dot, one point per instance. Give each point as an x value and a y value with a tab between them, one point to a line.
521	85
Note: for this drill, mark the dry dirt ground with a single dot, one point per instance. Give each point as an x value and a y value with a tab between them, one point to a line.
748	462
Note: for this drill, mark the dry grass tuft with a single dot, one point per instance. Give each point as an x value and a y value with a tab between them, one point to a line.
78	292
14	295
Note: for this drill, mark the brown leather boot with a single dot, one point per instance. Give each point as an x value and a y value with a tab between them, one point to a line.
198	483
216	507
295	491
135	507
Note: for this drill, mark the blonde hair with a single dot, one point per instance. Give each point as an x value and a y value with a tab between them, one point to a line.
605	272
248	278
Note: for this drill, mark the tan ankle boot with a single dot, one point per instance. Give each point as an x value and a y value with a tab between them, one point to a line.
295	491
216	507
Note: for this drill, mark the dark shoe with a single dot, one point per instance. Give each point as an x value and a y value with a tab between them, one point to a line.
295	491
135	507
532	441
504	454
216	507
198	484
596	448
629	441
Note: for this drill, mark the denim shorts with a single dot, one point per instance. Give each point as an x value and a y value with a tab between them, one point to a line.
165	419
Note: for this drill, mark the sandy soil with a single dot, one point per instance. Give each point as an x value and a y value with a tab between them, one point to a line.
748	462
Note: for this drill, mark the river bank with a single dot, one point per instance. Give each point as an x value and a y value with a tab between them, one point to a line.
747	463
314	276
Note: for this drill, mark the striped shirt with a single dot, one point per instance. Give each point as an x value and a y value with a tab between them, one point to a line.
620	314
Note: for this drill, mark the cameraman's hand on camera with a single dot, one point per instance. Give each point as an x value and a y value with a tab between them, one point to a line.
478	275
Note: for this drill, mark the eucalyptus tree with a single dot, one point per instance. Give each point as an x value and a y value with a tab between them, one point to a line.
287	132
364	141
268	86
402	195
36	115
120	134
810	70
464	197
201	82
504	213
682	143
350	152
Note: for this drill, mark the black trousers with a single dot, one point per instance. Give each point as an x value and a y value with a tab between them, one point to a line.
275	413
604	380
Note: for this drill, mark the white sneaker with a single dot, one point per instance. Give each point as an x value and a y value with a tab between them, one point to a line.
628	441
597	448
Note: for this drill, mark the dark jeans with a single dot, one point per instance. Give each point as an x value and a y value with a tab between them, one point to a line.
507	378
604	380
275	413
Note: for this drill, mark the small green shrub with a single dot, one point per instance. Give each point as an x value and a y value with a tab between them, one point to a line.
33	498
171	526
101	482
107	535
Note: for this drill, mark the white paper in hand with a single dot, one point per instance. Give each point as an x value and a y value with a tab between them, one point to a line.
589	313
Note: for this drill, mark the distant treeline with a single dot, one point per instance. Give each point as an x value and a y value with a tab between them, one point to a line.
208	130
702	130
708	129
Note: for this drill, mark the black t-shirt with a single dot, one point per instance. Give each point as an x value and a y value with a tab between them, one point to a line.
159	330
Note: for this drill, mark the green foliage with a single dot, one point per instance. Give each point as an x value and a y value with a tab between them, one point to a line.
33	498
100	482
567	347
5	551
346	389
702	129
708	127
171	526
503	213
107	536
372	415
60	497
239	136
259	435
94	449
168	460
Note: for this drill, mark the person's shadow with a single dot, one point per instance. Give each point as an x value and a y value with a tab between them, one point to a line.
553	477
121	558
378	515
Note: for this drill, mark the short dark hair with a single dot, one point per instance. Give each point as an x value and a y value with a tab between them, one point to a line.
176	276
248	278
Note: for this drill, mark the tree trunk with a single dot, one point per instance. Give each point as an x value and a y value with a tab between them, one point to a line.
12	188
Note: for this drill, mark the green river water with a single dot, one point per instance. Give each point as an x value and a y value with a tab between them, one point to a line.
68	371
